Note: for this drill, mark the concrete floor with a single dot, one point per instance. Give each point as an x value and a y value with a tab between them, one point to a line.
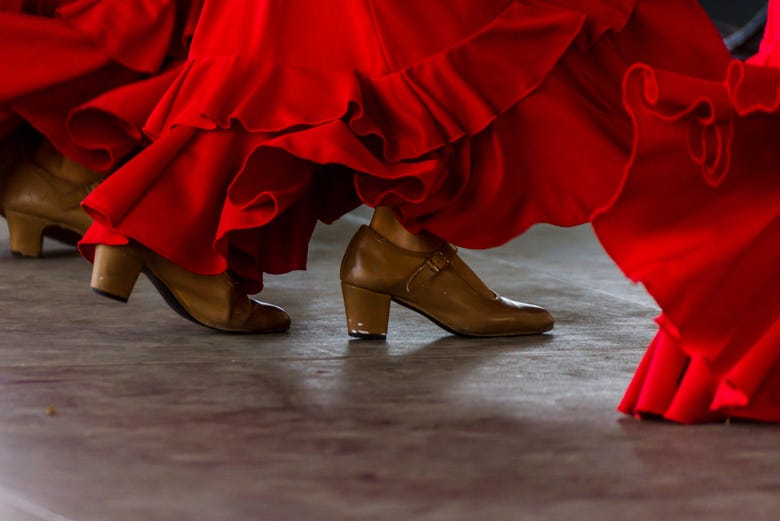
157	419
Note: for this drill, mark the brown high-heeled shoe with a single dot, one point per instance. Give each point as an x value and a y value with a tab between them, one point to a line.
42	196
433	281
209	300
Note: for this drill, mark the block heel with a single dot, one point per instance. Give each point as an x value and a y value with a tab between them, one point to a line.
367	312
115	271
213	301
25	233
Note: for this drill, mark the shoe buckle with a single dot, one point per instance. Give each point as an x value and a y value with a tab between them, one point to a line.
438	261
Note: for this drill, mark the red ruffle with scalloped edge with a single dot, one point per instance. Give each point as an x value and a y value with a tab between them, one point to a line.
702	233
88	73
501	115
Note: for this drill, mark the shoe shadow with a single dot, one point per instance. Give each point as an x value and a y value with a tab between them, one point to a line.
379	379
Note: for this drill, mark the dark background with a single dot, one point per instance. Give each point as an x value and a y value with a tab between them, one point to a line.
741	22
736	11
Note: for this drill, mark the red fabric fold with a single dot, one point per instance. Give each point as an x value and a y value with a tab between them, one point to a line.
87	73
135	34
386	122
709	258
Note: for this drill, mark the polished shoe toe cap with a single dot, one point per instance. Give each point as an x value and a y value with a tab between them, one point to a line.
268	318
529	318
508	317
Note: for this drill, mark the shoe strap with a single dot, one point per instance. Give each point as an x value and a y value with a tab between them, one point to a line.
435	263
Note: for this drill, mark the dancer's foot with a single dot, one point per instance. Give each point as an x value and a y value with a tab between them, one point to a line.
385	262
209	300
42	197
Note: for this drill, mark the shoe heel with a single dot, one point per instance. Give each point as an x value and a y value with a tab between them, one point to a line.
25	233
367	312
115	271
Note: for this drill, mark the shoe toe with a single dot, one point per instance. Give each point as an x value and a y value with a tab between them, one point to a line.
541	318
526	318
268	318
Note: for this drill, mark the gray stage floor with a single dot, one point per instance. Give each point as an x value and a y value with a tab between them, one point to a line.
157	419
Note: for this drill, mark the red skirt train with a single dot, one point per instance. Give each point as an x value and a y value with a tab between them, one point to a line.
473	119
709	254
87	73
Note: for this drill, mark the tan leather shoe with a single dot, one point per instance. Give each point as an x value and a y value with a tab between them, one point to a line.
435	283
209	300
42	197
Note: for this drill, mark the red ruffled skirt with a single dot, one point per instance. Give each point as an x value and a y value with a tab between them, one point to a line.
87	73
703	234
473	119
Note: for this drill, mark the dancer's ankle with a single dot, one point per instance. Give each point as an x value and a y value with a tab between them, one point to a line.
385	223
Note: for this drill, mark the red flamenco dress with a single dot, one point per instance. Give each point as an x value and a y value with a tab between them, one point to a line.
703	234
87	73
474	120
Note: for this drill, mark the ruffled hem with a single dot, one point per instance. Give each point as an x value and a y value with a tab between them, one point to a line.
425	138
306	144
673	384
710	256
258	232
102	132
398	116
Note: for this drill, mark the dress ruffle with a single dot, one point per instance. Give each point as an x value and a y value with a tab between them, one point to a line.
379	129
709	257
422	133
423	106
78	63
